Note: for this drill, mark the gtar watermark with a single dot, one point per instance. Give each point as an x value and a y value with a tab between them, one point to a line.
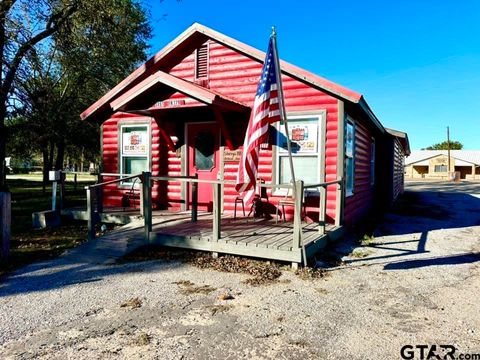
435	352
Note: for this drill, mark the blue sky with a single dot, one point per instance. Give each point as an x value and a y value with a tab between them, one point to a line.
416	62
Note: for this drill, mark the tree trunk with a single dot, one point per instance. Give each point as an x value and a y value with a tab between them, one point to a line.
47	152
3	144
45	167
3	102
60	155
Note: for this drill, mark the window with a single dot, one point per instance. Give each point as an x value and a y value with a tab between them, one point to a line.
350	158
372	163
304	134
135	149
440	168
201	62
204	150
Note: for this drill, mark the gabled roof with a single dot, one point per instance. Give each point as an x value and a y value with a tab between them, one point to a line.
199	93
402	137
195	36
469	156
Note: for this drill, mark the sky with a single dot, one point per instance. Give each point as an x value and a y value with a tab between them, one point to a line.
417	63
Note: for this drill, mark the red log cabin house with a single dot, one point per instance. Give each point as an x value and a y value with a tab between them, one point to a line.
184	113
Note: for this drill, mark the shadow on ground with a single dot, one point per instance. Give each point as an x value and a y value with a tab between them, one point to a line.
59	273
406	229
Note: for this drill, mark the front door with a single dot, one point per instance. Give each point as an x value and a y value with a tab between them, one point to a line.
203	159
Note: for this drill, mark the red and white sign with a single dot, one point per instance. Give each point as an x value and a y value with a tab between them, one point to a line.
135	143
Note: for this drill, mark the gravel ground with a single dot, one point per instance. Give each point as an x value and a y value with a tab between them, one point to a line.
415	282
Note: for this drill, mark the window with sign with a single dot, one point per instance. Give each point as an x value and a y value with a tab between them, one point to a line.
304	133
135	149
349	158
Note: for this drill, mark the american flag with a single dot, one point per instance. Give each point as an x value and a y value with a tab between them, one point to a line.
266	110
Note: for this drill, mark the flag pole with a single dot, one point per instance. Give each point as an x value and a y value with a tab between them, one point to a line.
283	115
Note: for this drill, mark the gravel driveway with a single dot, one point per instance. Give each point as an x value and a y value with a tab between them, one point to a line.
417	281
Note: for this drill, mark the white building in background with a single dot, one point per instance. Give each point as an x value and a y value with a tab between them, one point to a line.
433	164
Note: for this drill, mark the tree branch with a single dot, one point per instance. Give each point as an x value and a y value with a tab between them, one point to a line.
53	23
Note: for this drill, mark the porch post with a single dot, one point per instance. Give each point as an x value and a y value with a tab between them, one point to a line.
90	214
147	203
297	219
323	210
217	213
339	207
195	199
99	194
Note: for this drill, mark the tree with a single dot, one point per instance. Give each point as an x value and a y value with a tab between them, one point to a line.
64	53
454	145
23	24
88	48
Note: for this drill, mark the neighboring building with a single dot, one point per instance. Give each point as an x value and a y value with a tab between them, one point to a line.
185	111
433	164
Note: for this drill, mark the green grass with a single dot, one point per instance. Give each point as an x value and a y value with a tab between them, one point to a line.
29	245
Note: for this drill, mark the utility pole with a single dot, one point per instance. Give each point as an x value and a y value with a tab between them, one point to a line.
448	149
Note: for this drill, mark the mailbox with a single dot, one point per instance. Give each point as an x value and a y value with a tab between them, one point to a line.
54	175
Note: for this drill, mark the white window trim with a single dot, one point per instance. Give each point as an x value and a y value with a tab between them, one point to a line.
121	156
290	117
352	190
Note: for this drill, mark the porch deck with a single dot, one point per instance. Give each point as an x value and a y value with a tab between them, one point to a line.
218	231
241	236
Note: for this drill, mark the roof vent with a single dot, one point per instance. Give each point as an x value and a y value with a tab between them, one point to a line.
201	62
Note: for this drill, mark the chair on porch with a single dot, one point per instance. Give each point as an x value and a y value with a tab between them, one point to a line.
259	196
129	198
289	200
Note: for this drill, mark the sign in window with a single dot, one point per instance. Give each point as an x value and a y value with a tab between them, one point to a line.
304	134
135	149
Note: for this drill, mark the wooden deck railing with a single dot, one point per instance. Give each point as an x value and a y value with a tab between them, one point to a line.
94	196
299	187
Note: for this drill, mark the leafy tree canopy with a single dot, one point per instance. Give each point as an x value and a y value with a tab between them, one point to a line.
454	145
95	46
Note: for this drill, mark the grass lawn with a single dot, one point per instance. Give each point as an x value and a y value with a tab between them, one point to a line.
29	245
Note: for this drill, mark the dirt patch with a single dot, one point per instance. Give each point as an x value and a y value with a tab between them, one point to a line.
226	296
215	309
133	303
262	273
361	253
189	288
142	340
311	273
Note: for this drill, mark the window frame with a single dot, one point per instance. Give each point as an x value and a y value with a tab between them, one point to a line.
121	156
443	166
350	192
292	117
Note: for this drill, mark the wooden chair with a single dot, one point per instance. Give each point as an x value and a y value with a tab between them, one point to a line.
130	197
238	200
289	200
